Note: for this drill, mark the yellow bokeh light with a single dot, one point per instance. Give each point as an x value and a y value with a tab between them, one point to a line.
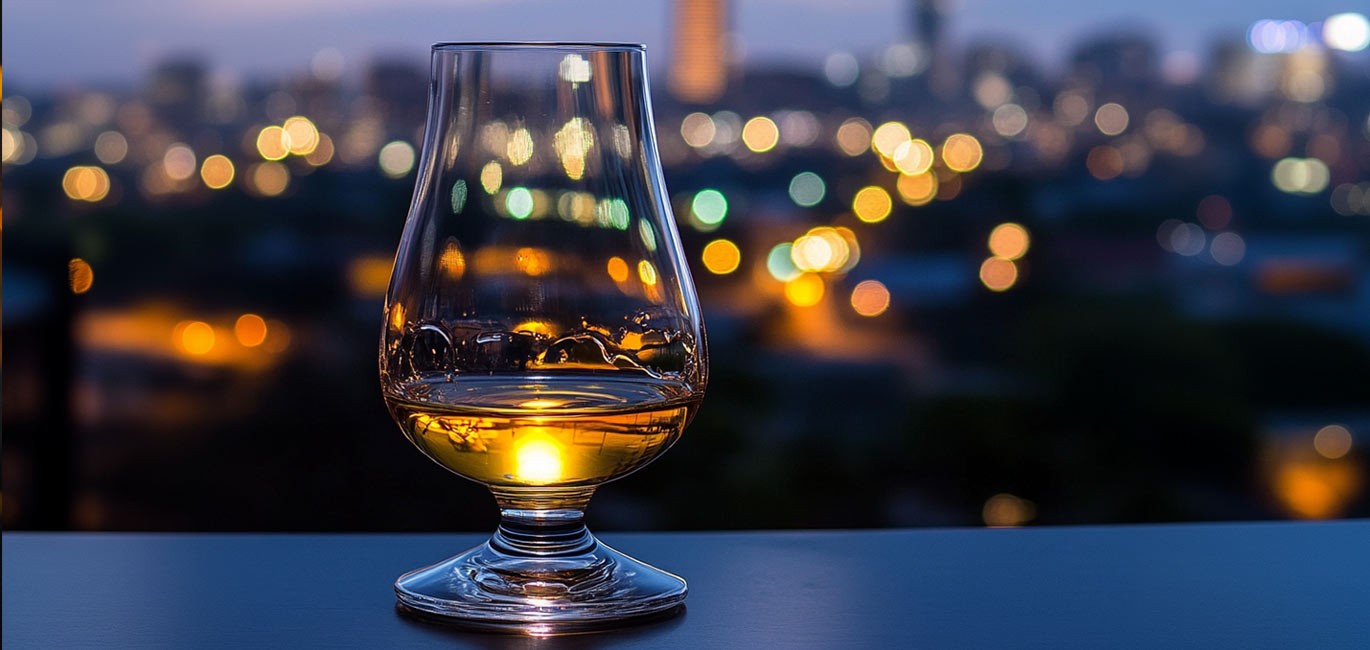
617	269
269	178
217	172
913	157
1332	441
962	152
369	275
303	136
888	136
806	290
822	249
1005	510
760	134
573	143
250	330
86	183
273	143
538	458
80	276
872	204
647	273
998	274
854	136
918	189
810	253
1009	241
452	261
491	177
532	261
1317	489
519	150
194	337
721	257
870	298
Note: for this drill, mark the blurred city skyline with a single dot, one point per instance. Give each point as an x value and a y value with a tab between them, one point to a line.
51	46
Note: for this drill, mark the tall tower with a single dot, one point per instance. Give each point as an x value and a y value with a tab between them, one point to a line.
699	65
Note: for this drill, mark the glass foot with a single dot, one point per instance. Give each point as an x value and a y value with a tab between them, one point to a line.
593	588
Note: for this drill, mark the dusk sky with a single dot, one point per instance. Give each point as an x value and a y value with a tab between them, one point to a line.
52	44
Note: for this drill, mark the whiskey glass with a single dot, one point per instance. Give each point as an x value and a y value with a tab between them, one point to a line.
542	335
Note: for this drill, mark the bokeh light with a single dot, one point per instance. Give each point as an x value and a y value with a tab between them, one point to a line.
273	143
961	152
250	330
647	273
396	158
269	178
807	189
870	298
302	137
1009	120
491	177
217	171
1104	162
872	204
80	276
178	163
1300	175
1005	510
854	136
805	290
1009	241
86	183
760	134
780	264
998	274
519	202
519	149
918	189
1332	441
913	157
1349	32
110	147
617	269
1111	119
697	129
888	136
709	206
195	338
841	69
1227	248
1214	212
721	257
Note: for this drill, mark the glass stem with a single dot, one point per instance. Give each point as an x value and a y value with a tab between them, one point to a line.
542	522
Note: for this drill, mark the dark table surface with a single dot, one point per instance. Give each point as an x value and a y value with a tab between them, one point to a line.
1262	585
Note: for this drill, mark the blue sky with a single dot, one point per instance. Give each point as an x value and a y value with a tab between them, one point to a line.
51	43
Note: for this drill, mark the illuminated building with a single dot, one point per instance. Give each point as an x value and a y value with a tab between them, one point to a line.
699	66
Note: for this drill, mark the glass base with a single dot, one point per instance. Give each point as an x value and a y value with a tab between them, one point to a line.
591	589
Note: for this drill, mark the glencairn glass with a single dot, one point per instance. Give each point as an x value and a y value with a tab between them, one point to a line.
542	335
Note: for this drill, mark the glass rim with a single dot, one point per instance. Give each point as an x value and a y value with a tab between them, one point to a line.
538	45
